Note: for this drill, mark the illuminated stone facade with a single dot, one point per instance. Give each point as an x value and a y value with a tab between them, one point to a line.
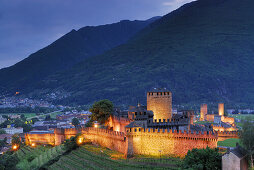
221	109
167	142
160	102
203	112
135	141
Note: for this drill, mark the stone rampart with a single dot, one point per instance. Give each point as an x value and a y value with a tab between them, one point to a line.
46	138
167	142
111	139
136	140
118	123
227	135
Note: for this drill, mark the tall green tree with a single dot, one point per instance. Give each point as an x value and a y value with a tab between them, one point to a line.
202	159
2	131
75	121
101	110
247	138
15	140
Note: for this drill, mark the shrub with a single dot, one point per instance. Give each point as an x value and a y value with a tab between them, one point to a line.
202	159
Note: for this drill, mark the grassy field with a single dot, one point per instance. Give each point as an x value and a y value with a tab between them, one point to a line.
229	142
35	158
52	115
202	122
27	115
93	157
243	116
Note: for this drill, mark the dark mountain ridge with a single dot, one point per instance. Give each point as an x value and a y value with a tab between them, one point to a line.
203	52
67	51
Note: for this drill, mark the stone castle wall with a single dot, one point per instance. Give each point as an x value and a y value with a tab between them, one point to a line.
227	135
106	138
229	120
166	142
135	140
161	104
118	123
48	139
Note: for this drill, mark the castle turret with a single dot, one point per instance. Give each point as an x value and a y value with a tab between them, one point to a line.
160	102
221	109
203	112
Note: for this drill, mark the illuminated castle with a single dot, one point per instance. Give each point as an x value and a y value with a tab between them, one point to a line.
220	122
142	130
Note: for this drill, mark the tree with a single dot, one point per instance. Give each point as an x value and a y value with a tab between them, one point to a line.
35	119
101	111
75	121
27	127
23	117
2	131
202	159
47	118
247	138
72	143
3	143
8	160
15	140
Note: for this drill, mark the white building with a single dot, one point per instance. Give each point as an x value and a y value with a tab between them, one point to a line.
13	130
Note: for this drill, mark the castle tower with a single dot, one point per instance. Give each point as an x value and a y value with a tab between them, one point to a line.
160	102
221	109
203	112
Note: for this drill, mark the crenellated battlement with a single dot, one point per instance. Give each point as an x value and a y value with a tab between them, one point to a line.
169	121
103	132
228	133
159	94
191	135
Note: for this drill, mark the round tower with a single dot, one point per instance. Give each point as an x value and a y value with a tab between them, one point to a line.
160	102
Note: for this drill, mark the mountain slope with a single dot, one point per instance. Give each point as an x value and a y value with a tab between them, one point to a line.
68	51
203	52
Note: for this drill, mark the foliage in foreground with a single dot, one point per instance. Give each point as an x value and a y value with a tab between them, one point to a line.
202	159
8	161
247	138
72	143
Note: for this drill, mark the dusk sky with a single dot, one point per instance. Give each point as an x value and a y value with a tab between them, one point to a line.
29	25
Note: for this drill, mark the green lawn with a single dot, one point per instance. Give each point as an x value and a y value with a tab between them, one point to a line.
229	142
27	115
92	157
202	122
243	116
52	115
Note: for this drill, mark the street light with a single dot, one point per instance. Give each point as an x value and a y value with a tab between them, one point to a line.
15	147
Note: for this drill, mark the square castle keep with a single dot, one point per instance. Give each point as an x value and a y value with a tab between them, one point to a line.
151	130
